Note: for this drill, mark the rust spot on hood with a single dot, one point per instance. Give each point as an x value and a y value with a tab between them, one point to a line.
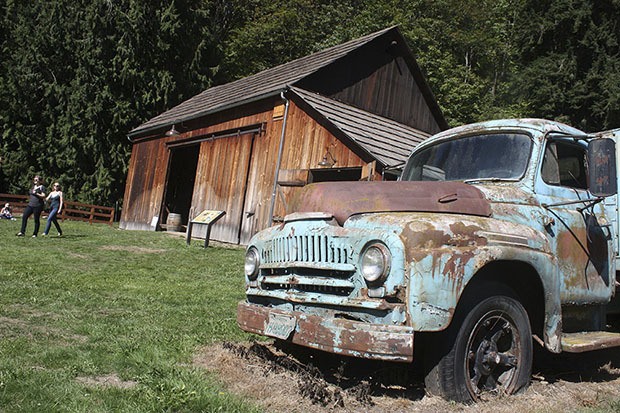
344	199
466	235
420	237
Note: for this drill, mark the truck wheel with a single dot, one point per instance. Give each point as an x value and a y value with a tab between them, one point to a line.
486	354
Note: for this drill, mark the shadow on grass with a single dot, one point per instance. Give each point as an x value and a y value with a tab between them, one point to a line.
594	366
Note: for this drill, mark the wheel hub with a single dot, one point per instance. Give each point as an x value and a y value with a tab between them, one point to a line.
491	347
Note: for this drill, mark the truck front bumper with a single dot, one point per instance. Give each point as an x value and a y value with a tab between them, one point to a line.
335	335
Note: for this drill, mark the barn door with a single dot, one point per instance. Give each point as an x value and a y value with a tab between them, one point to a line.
221	184
253	209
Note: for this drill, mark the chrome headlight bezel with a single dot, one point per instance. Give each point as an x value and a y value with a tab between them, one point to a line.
252	263
375	263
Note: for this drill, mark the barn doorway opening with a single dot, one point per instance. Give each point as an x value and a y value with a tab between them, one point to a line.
180	182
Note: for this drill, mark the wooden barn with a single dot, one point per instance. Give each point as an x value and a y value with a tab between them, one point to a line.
350	112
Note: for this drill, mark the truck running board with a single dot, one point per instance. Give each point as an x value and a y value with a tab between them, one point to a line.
589	340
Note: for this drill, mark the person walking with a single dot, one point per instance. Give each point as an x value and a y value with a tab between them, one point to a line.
56	202
36	201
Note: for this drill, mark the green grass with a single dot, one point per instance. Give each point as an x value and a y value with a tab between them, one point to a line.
102	301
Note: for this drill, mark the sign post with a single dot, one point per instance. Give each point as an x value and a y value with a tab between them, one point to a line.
206	217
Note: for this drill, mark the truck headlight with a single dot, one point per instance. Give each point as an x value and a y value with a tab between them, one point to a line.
252	263
375	263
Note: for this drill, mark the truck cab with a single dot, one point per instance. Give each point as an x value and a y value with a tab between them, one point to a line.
498	236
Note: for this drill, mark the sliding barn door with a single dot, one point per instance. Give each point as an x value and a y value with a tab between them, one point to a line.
221	184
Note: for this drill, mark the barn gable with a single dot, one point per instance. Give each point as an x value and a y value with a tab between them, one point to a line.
247	146
371	136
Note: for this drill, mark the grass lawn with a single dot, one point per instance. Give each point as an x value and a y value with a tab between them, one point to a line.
124	308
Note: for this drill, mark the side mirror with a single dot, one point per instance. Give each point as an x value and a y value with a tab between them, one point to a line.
602	180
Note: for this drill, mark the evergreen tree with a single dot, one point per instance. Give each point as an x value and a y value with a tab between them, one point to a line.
569	61
78	75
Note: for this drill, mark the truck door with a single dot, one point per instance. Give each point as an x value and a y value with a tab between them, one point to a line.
611	202
578	231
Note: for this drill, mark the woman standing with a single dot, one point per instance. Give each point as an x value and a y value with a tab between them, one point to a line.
55	200
35	206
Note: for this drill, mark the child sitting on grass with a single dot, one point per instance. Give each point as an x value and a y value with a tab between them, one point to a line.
5	213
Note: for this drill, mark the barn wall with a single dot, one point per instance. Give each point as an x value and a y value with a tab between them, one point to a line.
226	164
235	174
221	183
145	183
377	79
146	177
392	92
306	143
222	171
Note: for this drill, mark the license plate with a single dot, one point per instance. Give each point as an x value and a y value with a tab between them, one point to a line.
280	326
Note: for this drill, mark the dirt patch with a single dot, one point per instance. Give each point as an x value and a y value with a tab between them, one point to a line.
140	250
293	379
78	255
111	380
14	327
212	243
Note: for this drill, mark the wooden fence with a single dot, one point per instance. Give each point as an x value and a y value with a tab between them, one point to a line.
72	211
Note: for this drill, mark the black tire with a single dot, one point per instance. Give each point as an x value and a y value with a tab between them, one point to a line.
486	352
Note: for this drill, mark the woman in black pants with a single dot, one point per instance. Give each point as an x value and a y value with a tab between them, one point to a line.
35	206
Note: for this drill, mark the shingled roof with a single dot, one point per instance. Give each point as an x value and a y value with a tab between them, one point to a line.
255	87
382	139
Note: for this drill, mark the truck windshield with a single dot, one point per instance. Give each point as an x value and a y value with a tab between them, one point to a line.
494	156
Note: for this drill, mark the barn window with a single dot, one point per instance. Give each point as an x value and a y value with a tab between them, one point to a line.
335	174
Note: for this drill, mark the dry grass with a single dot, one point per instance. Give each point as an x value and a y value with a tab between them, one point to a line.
563	384
110	380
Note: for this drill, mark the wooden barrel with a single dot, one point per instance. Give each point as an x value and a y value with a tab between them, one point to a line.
173	223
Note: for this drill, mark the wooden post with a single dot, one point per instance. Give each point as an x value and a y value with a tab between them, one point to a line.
189	232
208	235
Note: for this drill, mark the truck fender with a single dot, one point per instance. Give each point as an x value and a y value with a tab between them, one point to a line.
439	278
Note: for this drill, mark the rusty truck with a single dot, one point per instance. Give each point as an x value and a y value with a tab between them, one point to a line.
498	237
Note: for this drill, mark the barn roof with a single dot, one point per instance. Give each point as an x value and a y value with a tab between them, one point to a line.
387	141
261	85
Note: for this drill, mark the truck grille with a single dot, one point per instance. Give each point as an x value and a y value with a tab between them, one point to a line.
342	290
315	249
308	263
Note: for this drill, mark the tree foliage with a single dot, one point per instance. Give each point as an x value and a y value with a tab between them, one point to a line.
76	76
569	61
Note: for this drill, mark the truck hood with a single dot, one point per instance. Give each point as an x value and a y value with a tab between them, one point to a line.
508	193
344	199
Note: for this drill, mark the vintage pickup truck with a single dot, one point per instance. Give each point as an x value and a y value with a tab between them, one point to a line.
497	237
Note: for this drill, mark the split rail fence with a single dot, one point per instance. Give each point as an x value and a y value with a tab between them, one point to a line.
72	211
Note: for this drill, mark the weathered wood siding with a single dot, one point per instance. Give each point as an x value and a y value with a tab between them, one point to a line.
306	143
392	92
221	183
145	184
379	80
235	174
